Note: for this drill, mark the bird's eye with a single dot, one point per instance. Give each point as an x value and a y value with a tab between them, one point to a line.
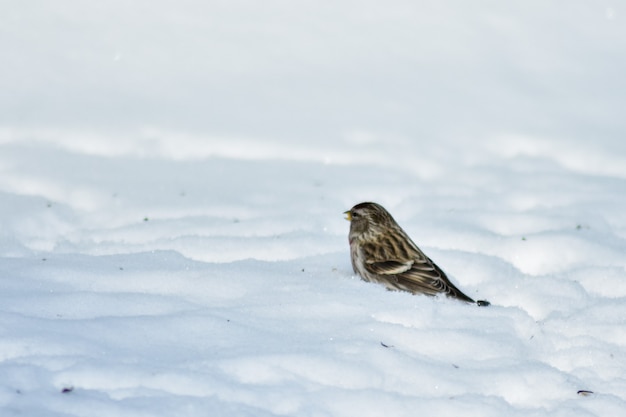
354	214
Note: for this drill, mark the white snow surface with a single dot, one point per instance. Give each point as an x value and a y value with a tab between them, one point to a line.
173	177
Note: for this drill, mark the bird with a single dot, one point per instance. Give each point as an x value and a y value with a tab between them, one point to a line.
382	252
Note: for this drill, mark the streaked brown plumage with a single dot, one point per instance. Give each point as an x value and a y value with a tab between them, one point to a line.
382	252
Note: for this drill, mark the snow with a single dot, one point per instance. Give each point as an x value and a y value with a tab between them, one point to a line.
172	182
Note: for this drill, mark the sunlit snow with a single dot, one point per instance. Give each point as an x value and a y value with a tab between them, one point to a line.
172	182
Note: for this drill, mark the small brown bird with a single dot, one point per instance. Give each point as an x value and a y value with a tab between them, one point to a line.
382	252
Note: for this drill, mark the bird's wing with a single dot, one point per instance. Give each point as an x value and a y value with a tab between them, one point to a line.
417	274
428	277
388	267
381	259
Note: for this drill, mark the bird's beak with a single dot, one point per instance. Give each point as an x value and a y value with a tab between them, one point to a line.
348	215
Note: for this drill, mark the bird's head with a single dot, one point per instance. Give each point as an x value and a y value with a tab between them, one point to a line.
368	219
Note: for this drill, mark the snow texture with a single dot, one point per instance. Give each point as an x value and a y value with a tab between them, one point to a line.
173	177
